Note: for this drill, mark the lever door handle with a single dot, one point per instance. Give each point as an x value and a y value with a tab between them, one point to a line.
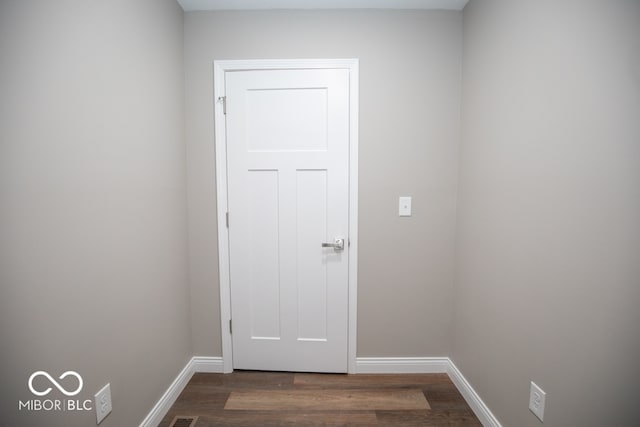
338	244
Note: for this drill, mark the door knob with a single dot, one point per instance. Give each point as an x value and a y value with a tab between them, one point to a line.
338	244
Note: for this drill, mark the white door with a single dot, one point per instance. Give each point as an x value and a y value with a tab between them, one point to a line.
288	194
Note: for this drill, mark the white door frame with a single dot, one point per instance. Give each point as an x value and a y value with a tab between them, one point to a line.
220	68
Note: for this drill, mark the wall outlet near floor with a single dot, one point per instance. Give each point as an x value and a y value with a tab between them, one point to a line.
536	401
103	403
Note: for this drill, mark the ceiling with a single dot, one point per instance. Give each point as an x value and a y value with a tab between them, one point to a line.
192	5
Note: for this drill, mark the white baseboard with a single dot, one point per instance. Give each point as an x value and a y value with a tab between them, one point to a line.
401	365
212	365
196	364
364	365
478	407
169	397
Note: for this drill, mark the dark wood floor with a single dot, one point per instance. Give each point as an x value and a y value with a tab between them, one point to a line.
307	400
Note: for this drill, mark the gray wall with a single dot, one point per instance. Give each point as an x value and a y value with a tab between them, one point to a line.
93	256
548	248
410	65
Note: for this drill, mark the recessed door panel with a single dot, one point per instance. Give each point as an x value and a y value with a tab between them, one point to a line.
311	278
263	254
287	119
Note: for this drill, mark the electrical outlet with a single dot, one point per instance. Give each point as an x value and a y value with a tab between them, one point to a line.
103	403
537	399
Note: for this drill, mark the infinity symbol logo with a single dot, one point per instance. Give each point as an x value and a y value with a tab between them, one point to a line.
55	383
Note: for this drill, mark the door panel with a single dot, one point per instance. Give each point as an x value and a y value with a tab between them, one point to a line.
288	180
262	254
311	280
287	119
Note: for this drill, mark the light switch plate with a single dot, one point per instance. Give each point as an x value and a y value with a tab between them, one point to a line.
404	208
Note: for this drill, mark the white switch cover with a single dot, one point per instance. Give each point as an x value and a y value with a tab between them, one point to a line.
103	403
405	206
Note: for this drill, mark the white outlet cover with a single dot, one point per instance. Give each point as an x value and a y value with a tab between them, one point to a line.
404	206
102	400
537	399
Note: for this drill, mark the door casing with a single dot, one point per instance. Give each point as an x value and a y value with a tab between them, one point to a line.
220	68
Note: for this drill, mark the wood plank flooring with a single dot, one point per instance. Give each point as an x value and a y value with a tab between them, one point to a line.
250	398
327	400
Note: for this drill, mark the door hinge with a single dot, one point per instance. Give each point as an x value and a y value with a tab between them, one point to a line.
227	219
223	100
230	327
